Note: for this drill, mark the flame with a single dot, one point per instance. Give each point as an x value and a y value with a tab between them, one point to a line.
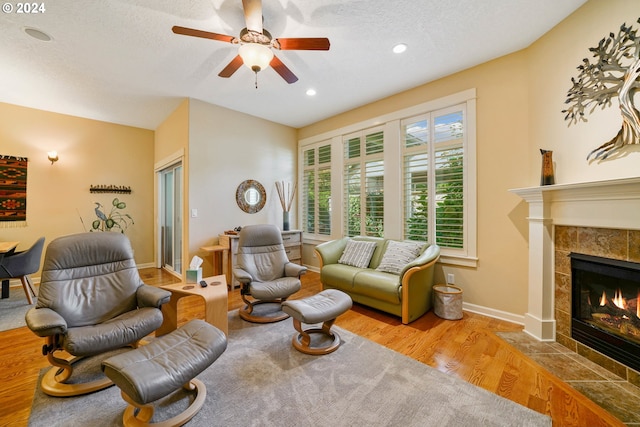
619	301
603	299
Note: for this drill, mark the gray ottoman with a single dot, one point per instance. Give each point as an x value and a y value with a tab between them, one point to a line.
161	367
323	307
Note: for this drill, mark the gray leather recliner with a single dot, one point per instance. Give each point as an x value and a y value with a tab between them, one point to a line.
91	300
265	272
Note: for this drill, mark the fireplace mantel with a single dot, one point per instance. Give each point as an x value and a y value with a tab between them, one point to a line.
607	204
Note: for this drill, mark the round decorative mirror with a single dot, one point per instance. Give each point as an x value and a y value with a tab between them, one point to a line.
251	196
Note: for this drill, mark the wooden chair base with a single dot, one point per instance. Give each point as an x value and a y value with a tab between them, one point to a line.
136	415
53	382
28	288
302	341
246	313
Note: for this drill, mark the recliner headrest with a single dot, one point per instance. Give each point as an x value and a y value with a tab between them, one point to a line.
87	249
260	235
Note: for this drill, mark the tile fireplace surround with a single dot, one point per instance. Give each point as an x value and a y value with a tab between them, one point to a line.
595	218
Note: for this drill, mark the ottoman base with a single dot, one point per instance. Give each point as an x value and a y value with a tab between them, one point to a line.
136	415
272	316
323	307
162	367
302	341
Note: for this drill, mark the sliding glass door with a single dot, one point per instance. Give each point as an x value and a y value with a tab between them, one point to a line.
171	217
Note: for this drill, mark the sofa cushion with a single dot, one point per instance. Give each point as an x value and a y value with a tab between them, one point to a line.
399	254
377	253
339	276
377	284
357	253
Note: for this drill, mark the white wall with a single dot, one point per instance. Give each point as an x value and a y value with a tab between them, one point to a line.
225	148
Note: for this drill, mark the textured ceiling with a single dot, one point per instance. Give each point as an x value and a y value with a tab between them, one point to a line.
118	60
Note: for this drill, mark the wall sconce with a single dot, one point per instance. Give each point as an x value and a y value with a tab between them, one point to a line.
53	156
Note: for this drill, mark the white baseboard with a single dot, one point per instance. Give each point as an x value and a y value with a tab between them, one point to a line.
478	309
313	268
146	265
496	314
16	283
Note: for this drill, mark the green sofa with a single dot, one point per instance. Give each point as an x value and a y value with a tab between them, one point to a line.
407	295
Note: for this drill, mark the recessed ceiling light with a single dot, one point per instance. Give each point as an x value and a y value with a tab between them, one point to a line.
37	34
399	48
311	92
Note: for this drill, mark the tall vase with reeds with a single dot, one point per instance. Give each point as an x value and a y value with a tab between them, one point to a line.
286	193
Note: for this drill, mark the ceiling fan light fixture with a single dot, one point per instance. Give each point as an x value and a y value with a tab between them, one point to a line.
255	56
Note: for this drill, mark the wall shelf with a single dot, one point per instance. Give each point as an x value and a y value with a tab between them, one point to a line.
118	189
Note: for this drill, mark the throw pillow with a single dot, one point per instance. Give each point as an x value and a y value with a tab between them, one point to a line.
397	255
357	253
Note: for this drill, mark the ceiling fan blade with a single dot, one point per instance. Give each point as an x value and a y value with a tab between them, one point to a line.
317	43
232	67
282	69
253	15
203	34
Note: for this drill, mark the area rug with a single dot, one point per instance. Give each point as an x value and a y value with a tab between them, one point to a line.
13	309
261	380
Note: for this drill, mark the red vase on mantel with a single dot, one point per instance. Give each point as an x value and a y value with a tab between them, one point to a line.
547	178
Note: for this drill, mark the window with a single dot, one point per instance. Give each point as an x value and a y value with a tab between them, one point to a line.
364	183
408	174
316	186
433	172
416	136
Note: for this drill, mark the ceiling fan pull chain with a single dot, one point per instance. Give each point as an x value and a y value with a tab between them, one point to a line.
256	79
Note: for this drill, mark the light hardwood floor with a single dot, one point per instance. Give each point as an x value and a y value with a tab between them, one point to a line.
466	348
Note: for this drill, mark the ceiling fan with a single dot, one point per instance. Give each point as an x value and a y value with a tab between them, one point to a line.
256	44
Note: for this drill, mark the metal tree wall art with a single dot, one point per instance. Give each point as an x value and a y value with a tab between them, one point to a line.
615	70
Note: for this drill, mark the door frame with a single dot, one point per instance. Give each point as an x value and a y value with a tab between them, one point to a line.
169	161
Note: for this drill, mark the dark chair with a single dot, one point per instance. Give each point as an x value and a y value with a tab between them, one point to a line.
19	265
91	301
265	273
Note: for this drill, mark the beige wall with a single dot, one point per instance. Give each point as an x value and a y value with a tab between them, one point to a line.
172	146
519	102
91	152
173	133
502	143
519	99
554	59
225	148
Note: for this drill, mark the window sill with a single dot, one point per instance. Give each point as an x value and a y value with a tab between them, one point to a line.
461	261
308	240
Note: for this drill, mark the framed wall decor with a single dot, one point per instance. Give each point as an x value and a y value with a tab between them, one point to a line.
13	191
251	196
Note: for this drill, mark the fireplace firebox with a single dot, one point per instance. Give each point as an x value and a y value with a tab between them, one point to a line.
605	312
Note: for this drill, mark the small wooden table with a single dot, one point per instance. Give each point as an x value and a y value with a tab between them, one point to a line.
220	253
215	303
6	247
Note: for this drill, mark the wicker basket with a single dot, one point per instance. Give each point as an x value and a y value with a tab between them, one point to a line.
447	302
